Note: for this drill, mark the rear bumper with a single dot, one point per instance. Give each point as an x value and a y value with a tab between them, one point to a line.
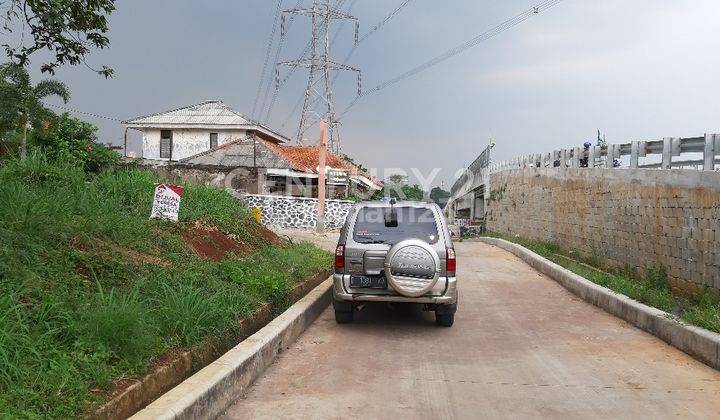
449	296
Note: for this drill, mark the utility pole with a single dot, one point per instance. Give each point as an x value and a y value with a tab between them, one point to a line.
125	142
321	176
319	66
254	140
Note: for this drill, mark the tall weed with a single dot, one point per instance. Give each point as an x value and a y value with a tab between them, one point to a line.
189	313
16	343
120	323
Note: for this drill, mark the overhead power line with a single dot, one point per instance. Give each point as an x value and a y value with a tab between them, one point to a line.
377	27
321	13
362	38
279	86
303	55
293	111
491	33
342	24
268	50
90	114
281	42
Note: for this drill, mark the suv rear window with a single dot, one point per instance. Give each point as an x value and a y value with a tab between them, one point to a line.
412	222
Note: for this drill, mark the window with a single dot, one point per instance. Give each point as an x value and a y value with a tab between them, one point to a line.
213	140
412	222
165	144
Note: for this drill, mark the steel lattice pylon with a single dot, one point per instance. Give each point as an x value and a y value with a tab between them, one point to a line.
319	66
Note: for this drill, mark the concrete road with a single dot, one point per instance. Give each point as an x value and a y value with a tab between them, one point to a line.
522	347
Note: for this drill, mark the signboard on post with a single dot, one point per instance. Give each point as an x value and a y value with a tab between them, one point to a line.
166	202
337	177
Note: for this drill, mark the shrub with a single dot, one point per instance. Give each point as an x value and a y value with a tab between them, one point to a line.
75	141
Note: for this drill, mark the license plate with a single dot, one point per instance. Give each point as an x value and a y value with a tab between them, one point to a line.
368	282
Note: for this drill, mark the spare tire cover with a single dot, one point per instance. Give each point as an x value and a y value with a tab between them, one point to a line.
412	267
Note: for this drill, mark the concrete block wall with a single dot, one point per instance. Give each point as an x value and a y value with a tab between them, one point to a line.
298	212
241	178
643	218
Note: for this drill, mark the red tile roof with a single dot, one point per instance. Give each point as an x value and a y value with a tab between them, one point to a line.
307	159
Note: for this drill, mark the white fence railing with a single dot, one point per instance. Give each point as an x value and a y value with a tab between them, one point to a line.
606	155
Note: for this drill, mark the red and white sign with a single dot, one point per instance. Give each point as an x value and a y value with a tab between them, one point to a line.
166	203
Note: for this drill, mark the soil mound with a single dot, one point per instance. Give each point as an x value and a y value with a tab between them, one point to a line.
210	243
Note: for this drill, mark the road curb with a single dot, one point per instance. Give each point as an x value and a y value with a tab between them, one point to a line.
215	387
698	342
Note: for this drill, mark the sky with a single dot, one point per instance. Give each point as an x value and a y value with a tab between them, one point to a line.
636	70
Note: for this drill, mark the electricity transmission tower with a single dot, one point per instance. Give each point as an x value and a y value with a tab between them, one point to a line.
319	66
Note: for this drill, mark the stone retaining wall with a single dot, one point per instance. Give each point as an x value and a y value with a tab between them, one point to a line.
298	212
642	218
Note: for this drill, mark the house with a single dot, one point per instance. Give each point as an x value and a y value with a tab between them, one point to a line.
183	132
263	167
211	143
342	177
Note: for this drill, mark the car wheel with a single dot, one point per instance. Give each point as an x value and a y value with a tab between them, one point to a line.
343	311
444	320
342	317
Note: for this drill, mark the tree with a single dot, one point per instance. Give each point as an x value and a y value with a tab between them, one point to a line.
439	196
68	29
393	186
21	102
396	187
414	193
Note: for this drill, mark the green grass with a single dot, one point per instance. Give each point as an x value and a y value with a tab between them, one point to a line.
92	290
652	288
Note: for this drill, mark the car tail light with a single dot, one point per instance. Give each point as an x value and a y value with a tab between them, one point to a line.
450	262
340	257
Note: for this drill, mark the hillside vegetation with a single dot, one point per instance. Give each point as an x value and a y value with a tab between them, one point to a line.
92	291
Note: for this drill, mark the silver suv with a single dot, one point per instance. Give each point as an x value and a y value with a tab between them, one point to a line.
395	252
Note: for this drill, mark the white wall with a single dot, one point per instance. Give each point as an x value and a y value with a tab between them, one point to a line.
186	142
